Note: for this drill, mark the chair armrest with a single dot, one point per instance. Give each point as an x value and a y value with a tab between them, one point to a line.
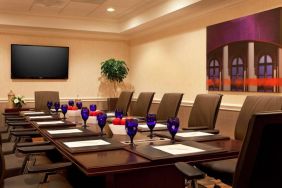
23	129
48	168
202	129
190	172
25	133
195	128
28	144
14	118
18	123
36	149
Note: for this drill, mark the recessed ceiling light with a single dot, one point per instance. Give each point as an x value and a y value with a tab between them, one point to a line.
110	9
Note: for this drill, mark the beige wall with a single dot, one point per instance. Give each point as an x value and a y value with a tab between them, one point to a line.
174	59
85	56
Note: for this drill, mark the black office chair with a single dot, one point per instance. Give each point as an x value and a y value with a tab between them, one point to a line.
259	163
224	169
169	106
204	113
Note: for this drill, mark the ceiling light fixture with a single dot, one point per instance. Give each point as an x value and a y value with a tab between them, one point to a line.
110	9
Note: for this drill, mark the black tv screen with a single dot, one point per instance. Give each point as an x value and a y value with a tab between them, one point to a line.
39	62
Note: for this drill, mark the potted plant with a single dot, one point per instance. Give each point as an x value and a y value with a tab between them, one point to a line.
18	101
115	71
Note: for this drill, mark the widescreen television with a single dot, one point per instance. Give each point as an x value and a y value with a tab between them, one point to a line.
39	62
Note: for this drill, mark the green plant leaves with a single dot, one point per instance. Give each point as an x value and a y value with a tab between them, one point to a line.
114	70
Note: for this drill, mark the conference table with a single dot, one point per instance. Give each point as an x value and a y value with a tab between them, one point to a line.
117	163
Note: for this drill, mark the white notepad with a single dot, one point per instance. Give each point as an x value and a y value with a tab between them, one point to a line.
64	131
158	125
32	113
193	134
49	122
177	149
110	114
86	143
40	117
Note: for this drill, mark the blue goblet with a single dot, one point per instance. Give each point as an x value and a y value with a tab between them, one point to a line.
49	105
93	107
118	113
57	106
84	115
71	103
131	128
79	104
151	120
102	120
172	126
64	108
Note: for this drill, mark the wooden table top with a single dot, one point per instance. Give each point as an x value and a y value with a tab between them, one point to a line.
127	158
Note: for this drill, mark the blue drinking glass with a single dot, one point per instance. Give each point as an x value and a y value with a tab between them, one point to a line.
93	107
79	104
102	120
84	115
151	120
131	126
57	106
49	105
172	126
71	103
118	113
64	108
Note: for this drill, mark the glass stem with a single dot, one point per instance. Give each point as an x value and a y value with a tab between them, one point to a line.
101	134
84	125
151	134
131	140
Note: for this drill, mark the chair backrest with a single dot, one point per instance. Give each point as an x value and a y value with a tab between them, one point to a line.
204	111
143	104
259	163
254	104
41	98
124	101
169	105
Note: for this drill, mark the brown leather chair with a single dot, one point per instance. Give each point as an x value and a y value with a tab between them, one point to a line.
224	169
169	106
143	104
124	101
38	175
204	112
41	98
259	161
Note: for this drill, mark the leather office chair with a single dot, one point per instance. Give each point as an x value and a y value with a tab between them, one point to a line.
41	98
124	101
143	104
37	175
259	161
169	106
224	169
204	113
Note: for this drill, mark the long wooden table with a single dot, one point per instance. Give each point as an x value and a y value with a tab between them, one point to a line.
130	166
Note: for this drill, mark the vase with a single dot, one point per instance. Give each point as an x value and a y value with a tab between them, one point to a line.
18	105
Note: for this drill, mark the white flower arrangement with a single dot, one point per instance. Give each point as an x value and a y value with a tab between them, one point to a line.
18	100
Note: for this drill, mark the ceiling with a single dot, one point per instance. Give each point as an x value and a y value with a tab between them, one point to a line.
87	9
129	18
87	15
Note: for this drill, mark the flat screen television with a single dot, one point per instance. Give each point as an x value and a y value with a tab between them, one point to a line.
39	62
